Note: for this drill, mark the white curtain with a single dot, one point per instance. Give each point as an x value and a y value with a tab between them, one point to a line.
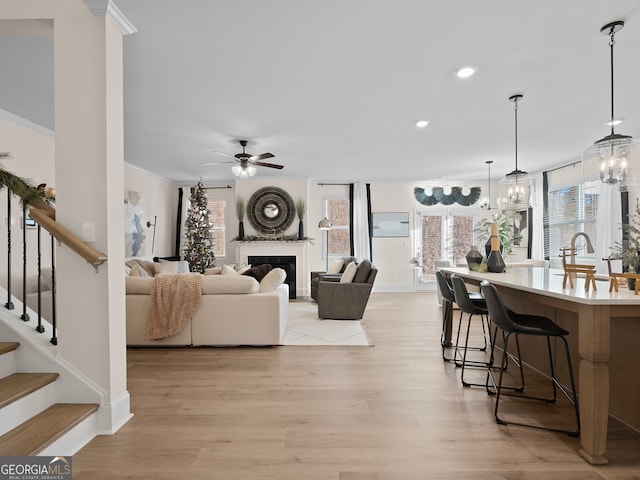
608	227
537	220
360	234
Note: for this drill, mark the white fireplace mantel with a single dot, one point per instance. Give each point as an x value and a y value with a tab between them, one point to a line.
274	247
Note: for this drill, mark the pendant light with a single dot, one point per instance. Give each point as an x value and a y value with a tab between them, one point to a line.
516	183
485	202
611	160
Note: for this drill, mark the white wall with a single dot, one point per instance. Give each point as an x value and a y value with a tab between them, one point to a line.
32	158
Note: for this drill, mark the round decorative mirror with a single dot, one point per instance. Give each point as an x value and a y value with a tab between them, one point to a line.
271	210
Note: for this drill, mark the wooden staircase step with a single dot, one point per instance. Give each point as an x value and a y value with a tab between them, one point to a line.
36	434
6	347
19	385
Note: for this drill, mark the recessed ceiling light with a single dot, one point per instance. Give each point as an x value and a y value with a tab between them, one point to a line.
615	122
422	123
466	72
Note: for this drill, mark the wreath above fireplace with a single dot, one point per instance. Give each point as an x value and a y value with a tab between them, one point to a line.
271	210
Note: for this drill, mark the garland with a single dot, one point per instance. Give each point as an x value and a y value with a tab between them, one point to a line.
280	238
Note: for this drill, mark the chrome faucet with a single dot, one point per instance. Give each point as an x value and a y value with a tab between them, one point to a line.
573	245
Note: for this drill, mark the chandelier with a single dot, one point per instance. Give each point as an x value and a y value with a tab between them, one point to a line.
515	193
608	160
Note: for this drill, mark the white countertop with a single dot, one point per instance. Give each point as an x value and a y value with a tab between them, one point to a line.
544	281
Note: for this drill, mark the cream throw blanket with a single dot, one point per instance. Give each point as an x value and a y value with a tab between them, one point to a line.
174	300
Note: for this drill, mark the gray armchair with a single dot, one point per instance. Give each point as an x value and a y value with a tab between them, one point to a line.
347	301
316	277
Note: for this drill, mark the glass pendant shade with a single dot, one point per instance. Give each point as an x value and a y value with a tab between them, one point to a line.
244	171
614	159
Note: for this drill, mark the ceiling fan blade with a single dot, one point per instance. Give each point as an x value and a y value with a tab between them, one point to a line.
270	165
217	163
222	153
262	156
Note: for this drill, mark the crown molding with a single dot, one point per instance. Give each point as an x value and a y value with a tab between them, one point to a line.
26	123
109	9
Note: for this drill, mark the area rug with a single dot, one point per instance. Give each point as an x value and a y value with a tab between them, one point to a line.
305	328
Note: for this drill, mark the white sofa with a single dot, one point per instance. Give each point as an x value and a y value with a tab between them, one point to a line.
233	312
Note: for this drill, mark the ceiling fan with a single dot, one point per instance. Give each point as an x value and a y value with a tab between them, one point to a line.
247	163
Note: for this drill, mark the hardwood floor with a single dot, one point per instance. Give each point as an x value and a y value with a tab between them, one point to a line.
392	411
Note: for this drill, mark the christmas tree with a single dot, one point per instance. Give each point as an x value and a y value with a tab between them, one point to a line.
198	249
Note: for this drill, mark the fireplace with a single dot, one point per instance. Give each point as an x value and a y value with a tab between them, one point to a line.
285	262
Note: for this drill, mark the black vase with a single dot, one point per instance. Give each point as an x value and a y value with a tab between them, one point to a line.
487	246
241	230
300	230
495	262
474	257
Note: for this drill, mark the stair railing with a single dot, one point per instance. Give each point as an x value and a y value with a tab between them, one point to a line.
44	216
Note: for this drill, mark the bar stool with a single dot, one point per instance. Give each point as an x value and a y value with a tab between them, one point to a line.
448	300
516	324
472	307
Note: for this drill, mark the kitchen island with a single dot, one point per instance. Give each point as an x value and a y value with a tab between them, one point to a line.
608	333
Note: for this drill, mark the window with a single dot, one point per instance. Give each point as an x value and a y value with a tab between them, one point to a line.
218	208
339	237
571	210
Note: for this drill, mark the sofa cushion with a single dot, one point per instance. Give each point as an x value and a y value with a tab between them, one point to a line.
213	271
259	271
138	285
272	280
165	266
349	273
362	272
213	284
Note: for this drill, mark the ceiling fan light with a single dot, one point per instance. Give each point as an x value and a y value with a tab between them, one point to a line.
236	170
251	170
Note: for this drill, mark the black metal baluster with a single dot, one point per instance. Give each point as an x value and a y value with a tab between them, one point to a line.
54	338
39	328
9	305
25	315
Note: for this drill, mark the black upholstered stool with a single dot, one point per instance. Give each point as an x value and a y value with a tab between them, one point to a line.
472	306
516	324
448	301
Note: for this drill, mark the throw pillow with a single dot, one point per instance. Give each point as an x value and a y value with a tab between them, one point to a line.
227	270
335	266
272	280
362	272
143	265
213	271
134	272
349	273
171	267
259	271
242	270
